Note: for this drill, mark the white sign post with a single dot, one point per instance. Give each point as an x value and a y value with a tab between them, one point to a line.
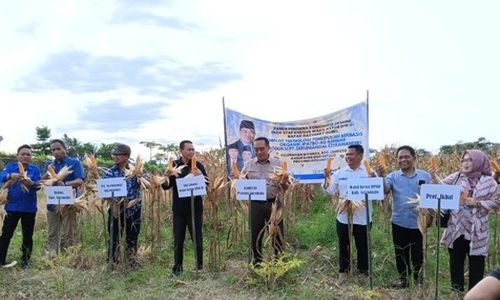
59	195
111	187
439	196
358	188
444	196
251	189
368	189
191	186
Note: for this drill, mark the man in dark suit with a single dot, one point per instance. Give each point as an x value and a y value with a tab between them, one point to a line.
247	136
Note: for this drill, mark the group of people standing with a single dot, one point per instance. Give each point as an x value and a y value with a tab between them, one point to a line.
466	233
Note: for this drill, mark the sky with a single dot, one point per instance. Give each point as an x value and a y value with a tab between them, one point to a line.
151	70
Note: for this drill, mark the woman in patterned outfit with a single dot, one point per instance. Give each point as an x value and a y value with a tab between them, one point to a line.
467	230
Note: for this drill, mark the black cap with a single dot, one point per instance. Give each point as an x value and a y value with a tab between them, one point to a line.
121	149
247	124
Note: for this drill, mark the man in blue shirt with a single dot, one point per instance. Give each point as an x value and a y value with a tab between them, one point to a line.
405	184
63	219
21	204
126	214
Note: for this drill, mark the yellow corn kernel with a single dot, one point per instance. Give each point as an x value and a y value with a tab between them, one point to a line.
368	169
193	165
21	168
329	164
495	166
51	171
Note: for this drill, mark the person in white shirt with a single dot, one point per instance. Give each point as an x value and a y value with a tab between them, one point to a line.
354	169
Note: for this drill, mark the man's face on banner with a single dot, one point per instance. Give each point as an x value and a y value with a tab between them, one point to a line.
233	153
247	135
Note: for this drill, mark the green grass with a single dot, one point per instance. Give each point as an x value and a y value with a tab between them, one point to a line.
311	238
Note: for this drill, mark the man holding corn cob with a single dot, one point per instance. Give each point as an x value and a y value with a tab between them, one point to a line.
262	167
350	213
405	184
58	218
124	213
181	208
21	180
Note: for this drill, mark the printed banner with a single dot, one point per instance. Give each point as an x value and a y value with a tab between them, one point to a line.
305	144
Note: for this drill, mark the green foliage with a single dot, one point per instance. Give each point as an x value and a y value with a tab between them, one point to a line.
43	145
272	271
481	144
153	167
104	151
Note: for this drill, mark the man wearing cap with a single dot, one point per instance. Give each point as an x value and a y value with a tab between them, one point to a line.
124	212
63	221
247	136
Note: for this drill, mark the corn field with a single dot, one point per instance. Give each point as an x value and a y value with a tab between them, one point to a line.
226	220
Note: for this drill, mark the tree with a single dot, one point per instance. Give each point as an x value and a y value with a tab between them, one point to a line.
104	151
151	146
43	145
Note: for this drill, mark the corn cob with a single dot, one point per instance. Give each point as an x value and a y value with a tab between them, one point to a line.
52	173
368	168
193	165
495	166
382	164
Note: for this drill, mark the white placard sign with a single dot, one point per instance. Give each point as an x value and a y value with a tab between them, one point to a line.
256	188
358	187
449	195
194	183
59	195
111	187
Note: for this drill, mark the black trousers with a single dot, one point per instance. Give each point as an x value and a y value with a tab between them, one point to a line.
359	234
409	252
182	220
460	250
116	226
9	226
261	213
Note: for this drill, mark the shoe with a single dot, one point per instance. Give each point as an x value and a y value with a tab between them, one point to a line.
25	264
9	265
342	277
363	278
176	270
399	285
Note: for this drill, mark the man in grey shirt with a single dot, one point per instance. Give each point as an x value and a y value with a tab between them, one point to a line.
261	167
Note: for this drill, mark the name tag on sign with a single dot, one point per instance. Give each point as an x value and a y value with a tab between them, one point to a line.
449	195
253	188
191	183
59	195
357	188
111	187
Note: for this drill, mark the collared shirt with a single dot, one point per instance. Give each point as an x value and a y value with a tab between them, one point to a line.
255	169
339	185
403	188
17	199
77	172
133	189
